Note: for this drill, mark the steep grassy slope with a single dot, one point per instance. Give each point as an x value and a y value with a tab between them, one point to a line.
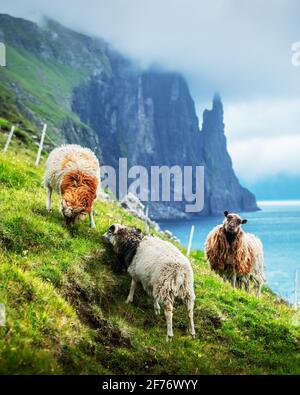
43	87
43	67
65	302
48	83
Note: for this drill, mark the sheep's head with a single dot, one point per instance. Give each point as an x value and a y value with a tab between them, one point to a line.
113	233
72	211
233	222
120	234
125	241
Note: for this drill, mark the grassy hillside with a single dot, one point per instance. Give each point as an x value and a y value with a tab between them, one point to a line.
48	84
66	310
43	87
44	65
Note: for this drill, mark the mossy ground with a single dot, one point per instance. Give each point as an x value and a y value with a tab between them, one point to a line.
65	301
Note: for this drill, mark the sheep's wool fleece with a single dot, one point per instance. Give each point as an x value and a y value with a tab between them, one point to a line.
157	263
69	158
247	255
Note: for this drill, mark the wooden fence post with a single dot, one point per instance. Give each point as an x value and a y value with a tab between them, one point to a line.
190	241
41	145
296	290
9	138
146	217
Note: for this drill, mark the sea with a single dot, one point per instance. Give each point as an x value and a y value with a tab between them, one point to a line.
277	224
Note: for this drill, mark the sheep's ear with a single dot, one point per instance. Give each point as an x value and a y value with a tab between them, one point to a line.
244	221
112	229
226	213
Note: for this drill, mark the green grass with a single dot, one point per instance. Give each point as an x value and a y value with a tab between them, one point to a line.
49	82
43	86
66	310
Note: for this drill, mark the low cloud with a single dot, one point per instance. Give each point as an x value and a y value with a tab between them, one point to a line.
264	137
266	118
259	158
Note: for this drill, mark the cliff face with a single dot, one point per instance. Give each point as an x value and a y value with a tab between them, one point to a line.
147	117
93	96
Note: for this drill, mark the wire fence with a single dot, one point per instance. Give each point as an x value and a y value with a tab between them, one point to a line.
43	136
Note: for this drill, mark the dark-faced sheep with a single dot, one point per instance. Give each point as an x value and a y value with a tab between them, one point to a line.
235	255
164	272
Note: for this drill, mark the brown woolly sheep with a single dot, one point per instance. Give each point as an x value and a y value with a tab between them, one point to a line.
73	172
235	255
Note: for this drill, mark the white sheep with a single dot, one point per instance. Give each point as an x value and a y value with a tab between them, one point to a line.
73	172
164	272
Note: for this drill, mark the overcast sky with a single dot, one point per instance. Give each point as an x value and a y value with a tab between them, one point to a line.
241	48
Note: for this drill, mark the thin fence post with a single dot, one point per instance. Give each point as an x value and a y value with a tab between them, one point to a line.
146	217
190	241
9	138
296	290
41	145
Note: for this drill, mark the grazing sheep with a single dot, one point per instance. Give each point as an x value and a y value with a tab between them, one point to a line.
235	255
164	272
73	172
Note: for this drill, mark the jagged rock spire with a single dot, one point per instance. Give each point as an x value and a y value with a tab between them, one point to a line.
213	119
217	103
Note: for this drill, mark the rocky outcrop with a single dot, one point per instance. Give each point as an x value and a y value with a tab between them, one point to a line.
132	204
135	207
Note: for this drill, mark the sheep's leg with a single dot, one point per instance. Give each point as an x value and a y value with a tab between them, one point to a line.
156	307
190	309
243	281
247	285
92	222
258	290
233	280
168	309
49	199
240	283
131	292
